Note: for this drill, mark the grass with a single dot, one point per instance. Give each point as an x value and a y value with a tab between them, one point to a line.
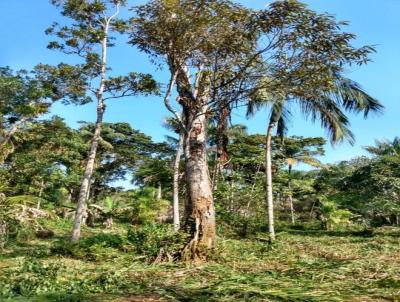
301	266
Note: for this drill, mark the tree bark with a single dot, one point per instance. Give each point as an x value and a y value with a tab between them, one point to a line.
201	222
199	203
69	196
175	203
291	210
268	177
83	193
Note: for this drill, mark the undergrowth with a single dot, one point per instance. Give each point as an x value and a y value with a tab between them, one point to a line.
303	265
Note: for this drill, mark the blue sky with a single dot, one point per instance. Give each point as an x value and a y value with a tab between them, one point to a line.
377	22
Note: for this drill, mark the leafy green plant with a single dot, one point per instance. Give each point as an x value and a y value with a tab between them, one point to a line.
153	240
31	278
95	248
333	217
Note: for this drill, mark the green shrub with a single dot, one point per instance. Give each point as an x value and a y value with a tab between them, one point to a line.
56	282
105	240
231	224
95	248
333	217
31	278
152	239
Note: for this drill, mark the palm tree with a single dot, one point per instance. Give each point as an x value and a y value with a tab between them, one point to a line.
385	147
328	108
297	150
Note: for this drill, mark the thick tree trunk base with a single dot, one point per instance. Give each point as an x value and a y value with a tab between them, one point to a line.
201	227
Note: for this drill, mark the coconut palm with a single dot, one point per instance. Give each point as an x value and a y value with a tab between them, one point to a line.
329	108
385	147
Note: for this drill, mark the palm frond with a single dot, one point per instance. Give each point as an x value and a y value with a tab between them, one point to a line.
172	124
311	161
353	98
331	117
254	106
385	147
280	113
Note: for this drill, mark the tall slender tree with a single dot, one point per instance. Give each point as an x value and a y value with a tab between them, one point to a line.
89	36
328	109
173	124
311	54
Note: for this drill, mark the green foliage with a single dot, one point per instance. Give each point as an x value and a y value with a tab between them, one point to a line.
367	187
385	147
354	268
32	278
154	171
146	207
378	185
122	151
294	150
23	98
99	247
41	162
316	57
94	27
104	240
333	217
153	240
47	163
54	281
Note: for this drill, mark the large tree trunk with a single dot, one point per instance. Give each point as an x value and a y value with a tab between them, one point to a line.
200	203
175	203
83	193
268	176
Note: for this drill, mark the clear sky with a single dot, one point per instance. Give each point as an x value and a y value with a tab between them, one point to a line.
377	22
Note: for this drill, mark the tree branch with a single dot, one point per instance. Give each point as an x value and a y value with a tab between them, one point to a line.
167	101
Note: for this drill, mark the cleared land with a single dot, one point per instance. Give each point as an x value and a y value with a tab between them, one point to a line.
304	265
